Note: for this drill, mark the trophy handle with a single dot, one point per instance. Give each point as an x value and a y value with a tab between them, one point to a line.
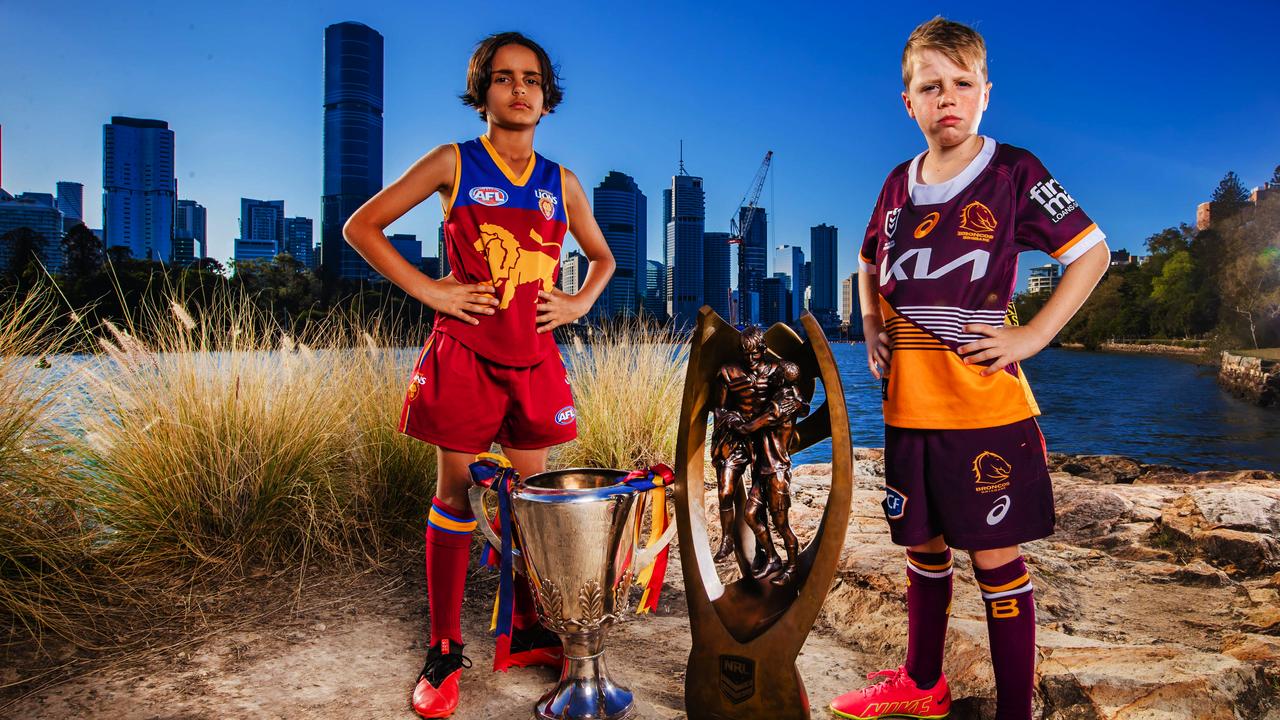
645	556
476	495
482	484
658	476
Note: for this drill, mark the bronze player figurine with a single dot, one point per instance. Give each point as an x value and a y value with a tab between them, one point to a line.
755	406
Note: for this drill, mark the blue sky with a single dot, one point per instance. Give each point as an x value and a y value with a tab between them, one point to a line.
1137	108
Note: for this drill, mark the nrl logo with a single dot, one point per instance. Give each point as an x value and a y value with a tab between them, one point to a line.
891	221
737	678
547	202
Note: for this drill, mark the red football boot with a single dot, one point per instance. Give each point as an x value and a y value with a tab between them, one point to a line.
896	697
436	694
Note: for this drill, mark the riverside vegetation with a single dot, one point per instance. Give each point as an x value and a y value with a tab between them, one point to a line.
210	447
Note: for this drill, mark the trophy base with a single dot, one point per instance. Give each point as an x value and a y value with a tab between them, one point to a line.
585	690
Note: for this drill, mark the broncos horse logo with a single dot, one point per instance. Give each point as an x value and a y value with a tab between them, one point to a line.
989	468
511	265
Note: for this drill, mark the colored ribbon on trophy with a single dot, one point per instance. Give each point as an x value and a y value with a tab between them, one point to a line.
654	481
495	472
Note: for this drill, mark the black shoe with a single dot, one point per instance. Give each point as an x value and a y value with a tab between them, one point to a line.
436	693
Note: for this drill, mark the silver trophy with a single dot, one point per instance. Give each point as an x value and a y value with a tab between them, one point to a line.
577	532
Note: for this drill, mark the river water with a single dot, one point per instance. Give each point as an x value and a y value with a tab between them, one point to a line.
1152	408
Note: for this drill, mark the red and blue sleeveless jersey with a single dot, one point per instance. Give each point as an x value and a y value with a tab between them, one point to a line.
946	255
506	229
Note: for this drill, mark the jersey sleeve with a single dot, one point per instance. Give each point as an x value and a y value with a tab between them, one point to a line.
1048	218
867	255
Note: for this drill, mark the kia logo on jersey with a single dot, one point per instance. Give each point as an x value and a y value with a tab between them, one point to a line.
566	415
490	196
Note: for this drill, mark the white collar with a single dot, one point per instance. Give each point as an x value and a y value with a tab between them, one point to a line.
939	193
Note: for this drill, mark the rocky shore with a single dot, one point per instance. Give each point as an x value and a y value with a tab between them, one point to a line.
1158	599
1252	378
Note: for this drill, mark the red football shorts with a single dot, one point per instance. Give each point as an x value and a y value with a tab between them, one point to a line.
460	401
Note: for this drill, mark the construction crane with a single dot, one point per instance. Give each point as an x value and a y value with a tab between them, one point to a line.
748	201
738	233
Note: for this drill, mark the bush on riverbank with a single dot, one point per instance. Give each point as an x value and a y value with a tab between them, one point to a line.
627	388
246	447
44	540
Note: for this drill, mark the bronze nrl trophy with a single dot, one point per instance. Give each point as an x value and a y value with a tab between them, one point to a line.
756	387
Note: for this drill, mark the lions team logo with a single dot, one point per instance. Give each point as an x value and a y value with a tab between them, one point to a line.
891	221
547	202
991	472
977	222
489	196
414	382
566	415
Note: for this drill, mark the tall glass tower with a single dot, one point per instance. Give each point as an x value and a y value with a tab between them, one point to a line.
621	210
715	272
754	265
823	246
352	139
684	210
139	190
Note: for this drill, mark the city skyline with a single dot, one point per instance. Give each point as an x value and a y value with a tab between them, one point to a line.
1134	169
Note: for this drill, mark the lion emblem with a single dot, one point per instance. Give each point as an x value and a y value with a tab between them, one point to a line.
511	265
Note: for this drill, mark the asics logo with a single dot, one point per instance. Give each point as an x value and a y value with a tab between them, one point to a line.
1000	510
923	257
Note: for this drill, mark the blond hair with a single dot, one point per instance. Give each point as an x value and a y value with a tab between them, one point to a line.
960	43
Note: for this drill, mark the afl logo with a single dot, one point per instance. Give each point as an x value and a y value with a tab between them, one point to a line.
490	196
566	415
891	221
926	226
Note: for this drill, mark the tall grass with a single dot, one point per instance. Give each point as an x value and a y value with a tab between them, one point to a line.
44	540
224	441
627	386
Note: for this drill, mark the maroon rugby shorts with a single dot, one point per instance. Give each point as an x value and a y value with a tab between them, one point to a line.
980	489
460	401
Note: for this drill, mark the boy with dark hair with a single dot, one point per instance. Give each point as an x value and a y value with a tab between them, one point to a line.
490	370
965	463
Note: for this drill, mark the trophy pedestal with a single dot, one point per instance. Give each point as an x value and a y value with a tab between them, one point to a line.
585	689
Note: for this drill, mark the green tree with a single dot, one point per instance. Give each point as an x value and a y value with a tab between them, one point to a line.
1230	190
1275	176
82	251
1174	294
26	257
1250	277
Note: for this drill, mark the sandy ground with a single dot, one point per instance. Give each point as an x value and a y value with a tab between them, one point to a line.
352	649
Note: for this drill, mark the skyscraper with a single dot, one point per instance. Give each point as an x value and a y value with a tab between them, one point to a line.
655	290
850	311
38	213
621	211
824	246
299	240
773	301
790	260
753	265
715	272
139	190
352	139
190	232
261	230
71	204
408	247
684	211
573	270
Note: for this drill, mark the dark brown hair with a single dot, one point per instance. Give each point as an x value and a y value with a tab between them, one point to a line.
479	72
960	44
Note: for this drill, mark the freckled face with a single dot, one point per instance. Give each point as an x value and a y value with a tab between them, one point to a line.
945	99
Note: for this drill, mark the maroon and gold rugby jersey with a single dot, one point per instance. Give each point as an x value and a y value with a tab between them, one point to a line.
504	228
946	255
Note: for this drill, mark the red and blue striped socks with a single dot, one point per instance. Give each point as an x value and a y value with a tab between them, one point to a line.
449	532
1011	626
